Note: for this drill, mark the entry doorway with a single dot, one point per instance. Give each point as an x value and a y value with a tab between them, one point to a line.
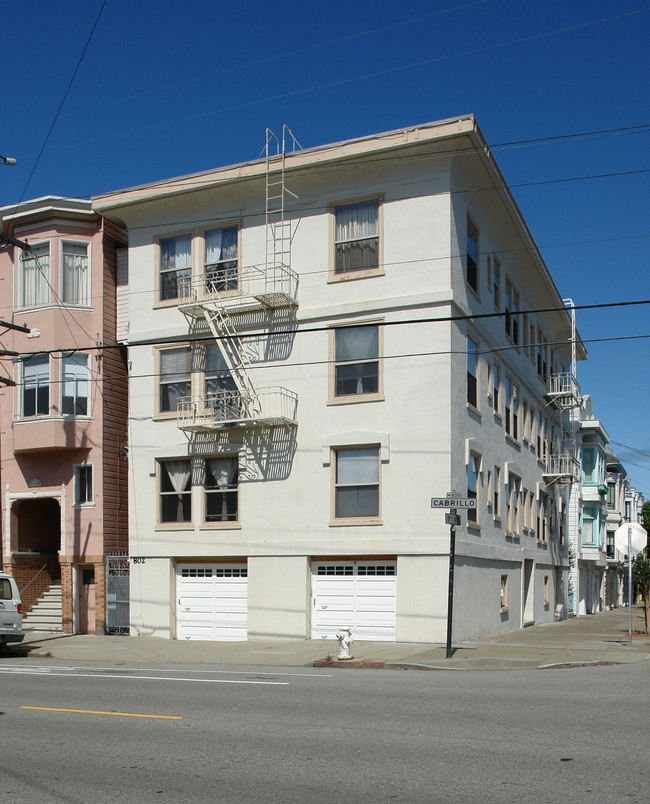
86	587
528	597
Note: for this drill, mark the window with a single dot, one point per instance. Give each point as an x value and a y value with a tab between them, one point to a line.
511	306
35	280
175	491
473	480
356	361
221	489
512	419
221	270
83	484
504	593
36	386
611	550
472	256
74	400
496	283
588	465
472	372
175	377
525	421
546	592
611	495
524	508
497	492
175	266
589	528
512	506
489	488
356	237
356	483
220	387
75	275
541	436
497	384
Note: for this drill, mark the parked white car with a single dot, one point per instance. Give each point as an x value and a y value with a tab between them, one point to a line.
11	611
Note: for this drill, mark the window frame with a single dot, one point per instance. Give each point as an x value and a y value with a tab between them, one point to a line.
158	374
168	524
76	381
334	364
47	384
473	379
511	311
87	300
472	260
355	273
363	519
496	500
172	300
473	472
89	501
503	594
203	249
220	524
46	278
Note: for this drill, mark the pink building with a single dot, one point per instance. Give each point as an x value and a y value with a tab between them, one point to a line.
63	407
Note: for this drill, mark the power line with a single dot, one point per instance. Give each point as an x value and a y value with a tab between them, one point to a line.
366	76
185	338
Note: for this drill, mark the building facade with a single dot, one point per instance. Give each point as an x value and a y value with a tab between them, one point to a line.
320	342
64	414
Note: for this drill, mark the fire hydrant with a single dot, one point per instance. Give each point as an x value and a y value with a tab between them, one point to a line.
344	637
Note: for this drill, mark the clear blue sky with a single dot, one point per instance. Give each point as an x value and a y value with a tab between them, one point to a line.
167	88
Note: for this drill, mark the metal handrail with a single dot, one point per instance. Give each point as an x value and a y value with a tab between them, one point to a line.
34	578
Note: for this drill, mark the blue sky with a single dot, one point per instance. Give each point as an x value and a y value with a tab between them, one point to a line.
166	89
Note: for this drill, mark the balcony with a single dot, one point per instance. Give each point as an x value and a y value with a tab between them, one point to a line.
562	468
208	413
563	390
45	433
239	290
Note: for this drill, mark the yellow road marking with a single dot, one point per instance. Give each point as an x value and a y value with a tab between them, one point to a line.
92	712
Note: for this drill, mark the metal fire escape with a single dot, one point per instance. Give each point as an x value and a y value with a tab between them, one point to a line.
220	296
564	395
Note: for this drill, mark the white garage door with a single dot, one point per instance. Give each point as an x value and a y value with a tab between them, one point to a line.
360	594
212	601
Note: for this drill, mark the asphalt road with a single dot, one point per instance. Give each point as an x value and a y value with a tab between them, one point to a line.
136	733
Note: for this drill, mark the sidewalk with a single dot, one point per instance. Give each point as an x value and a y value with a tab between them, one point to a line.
593	640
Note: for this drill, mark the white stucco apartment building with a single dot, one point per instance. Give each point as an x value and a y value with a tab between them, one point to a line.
320	343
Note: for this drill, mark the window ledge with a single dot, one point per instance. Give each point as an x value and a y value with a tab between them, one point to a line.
356	399
352	275
221	526
472	409
513	441
172	526
82	506
351	523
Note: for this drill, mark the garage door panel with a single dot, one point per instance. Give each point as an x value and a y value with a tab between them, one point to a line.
212	602
360	595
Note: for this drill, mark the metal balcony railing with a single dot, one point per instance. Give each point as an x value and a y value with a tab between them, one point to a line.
207	413
563	390
561	468
254	287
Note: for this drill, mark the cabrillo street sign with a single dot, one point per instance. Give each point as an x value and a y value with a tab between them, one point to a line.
453	502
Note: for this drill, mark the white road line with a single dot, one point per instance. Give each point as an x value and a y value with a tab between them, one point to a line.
118	670
149	678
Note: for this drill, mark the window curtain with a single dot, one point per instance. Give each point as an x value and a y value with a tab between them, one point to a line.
36	276
175	253
179	475
357	343
217	373
224	472
75	273
356	221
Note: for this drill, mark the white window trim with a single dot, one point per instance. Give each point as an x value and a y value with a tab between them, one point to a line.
348	399
75	491
89	296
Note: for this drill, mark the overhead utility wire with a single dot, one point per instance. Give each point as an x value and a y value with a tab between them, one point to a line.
259	62
344	81
352	325
65	95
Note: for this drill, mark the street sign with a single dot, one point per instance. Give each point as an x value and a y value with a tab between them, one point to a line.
453	502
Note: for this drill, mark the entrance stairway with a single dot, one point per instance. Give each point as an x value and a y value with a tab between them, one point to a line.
47	612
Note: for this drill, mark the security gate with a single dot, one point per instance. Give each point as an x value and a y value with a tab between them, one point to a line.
117	594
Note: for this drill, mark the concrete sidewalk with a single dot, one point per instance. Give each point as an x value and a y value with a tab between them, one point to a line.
592	640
